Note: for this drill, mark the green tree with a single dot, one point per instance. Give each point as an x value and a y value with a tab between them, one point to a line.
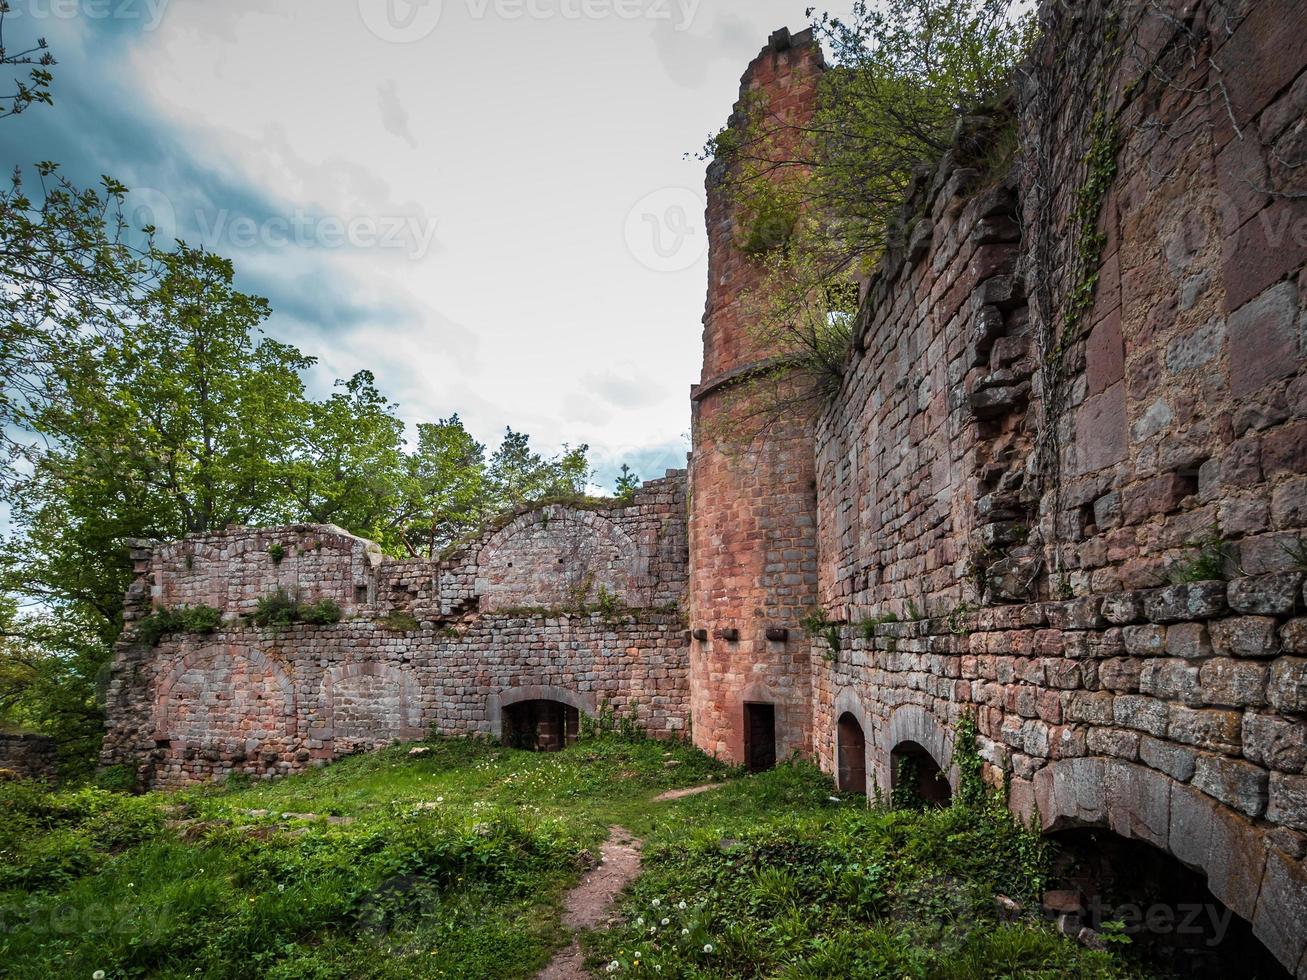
820	201
518	475
346	464
171	427
448	497
627	483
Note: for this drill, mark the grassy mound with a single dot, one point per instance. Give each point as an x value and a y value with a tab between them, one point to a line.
453	863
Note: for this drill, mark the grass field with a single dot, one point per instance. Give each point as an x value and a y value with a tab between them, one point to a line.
454	863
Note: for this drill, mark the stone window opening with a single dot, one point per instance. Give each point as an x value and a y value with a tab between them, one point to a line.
540	725
1172	918
851	750
916	779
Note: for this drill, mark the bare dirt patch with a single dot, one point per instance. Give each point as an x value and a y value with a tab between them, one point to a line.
676	794
590	903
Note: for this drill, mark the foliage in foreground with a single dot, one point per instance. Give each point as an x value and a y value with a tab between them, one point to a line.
448	864
773	877
454	863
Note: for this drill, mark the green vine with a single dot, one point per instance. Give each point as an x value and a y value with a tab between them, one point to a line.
815	624
1100	172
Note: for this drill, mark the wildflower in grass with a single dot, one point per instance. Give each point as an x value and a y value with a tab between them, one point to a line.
685	932
614	966
667	922
707	947
681	905
656	903
639	920
97	975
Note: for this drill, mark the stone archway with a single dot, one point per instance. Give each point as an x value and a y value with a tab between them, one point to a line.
849	714
1243	869
223	706
911	728
850	755
369	705
546	716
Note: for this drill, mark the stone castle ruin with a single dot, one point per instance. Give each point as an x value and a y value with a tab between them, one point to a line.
996	517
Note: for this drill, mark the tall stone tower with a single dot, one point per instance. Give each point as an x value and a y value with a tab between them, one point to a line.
753	561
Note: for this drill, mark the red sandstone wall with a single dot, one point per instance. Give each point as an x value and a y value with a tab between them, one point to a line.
1174	714
752	550
424	645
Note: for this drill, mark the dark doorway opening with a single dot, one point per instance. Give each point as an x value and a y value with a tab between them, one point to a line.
541	726
851	749
759	736
916	779
1175	924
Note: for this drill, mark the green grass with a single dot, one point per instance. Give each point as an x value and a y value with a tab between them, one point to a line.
774	877
454	864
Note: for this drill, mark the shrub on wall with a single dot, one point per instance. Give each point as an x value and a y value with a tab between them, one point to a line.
281	608
183	619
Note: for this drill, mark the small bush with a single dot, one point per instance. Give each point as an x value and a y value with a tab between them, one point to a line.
323	612
399	620
116	779
183	619
280	608
1210	560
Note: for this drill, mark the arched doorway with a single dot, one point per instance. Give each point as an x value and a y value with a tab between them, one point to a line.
1166	908
851	752
916	779
540	725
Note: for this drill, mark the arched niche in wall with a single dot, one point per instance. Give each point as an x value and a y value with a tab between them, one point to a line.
852	735
507	698
233	699
559	556
1241	865
367	705
911	727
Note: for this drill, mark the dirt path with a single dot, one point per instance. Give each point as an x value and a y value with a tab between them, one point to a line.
676	794
589	903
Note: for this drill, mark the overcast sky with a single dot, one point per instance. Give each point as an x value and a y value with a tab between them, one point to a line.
486	202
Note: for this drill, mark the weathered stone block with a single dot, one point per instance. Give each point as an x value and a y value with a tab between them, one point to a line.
1293	636
1234	782
1245	636
1265	595
1120	674
1118	742
1138	802
1263	339
1144	641
1188	640
1122	608
1288	800
1146	714
1176	761
1194	600
1236	683
1282	909
1275	742
1287	688
1207	728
